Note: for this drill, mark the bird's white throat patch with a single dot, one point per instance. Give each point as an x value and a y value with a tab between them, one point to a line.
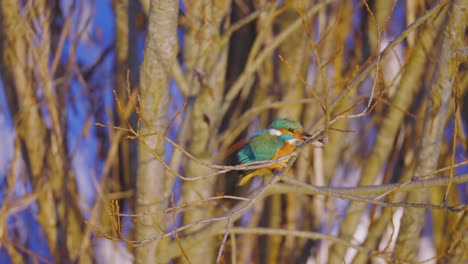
274	132
292	141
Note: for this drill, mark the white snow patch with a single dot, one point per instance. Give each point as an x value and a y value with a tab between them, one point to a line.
390	236
392	63
7	135
108	251
427	251
359	236
84	177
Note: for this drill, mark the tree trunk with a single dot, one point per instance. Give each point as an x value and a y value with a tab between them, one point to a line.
160	54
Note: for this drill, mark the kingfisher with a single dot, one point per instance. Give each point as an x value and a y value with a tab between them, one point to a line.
269	144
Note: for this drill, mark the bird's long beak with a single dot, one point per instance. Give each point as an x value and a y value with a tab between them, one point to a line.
303	136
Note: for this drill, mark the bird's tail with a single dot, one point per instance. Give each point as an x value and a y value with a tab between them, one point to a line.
248	175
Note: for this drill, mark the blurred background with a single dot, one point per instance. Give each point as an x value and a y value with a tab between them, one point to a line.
120	120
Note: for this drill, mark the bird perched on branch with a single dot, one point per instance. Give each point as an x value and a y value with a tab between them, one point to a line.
269	144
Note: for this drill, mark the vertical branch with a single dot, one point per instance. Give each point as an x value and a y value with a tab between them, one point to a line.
126	74
7	199
333	43
434	124
24	108
160	54
388	131
289	75
205	60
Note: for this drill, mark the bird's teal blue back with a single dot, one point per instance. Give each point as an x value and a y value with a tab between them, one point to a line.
262	146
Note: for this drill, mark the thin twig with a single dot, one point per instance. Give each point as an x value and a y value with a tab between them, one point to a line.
176	234
302	234
223	243
234	215
361	199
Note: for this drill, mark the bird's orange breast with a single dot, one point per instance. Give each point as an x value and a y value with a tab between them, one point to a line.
283	151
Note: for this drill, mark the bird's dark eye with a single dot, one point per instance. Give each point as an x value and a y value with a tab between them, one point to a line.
291	130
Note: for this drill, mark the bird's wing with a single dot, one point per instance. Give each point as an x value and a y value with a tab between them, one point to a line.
262	146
